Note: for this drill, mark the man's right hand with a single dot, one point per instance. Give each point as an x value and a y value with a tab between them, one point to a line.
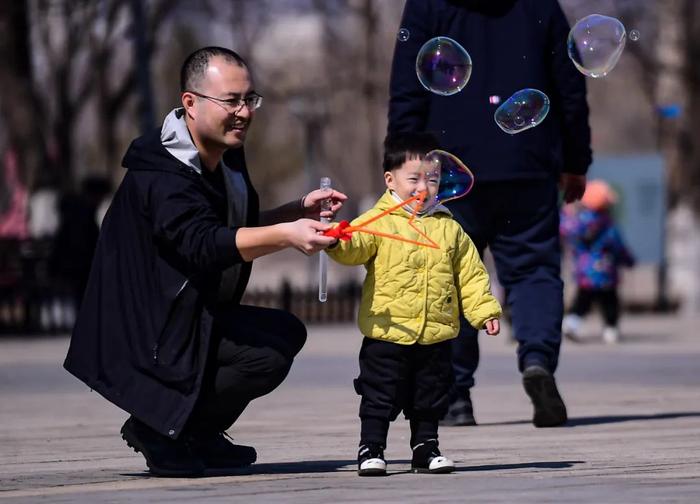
306	235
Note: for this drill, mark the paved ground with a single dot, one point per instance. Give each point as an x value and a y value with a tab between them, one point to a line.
634	434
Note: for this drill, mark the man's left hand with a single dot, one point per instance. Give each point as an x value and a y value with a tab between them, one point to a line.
573	186
311	205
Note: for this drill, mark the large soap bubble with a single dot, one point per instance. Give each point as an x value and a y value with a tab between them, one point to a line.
443	66
524	110
455	178
595	44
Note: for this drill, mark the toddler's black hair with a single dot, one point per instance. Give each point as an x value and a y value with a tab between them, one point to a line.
399	147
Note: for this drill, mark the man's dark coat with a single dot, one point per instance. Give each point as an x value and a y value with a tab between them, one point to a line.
143	333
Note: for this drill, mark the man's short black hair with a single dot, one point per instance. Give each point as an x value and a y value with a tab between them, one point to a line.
195	65
399	147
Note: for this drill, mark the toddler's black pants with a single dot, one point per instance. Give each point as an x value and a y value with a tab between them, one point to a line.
413	378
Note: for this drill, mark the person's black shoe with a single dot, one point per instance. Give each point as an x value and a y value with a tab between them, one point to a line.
219	454
164	456
460	412
428	459
539	384
370	460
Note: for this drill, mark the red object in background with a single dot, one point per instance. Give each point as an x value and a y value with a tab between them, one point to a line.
13	223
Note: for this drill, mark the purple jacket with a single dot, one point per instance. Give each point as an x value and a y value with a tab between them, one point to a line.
597	246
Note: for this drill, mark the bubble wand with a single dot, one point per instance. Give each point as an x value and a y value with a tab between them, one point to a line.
326	204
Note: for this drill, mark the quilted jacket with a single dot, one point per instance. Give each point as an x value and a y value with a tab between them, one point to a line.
414	294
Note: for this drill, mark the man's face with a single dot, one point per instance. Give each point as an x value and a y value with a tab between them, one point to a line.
216	123
412	177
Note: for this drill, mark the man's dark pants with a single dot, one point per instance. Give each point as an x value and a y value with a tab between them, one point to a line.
252	352
519	222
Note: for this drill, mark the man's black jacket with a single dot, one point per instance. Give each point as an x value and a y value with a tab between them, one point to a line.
514	44
144	328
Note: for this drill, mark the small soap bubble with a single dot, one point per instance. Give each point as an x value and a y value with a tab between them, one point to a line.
403	35
524	110
443	66
634	35
595	44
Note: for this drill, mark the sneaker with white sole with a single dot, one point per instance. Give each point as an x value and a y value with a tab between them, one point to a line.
370	460
570	327
428	459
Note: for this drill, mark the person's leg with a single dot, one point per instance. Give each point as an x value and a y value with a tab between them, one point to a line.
527	256
382	385
580	307
473	214
255	348
610	306
430	365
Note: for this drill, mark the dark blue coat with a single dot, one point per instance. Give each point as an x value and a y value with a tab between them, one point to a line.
143	331
514	44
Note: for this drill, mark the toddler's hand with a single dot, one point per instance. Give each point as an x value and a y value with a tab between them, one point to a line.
493	327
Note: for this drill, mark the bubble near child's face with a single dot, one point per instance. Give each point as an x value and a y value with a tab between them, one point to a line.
524	110
403	35
455	178
443	66
595	44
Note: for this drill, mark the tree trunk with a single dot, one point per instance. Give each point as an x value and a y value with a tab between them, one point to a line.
18	108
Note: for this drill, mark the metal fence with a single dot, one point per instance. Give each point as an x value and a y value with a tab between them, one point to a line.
33	302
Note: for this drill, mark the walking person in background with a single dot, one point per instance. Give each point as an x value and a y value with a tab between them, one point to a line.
514	208
598	252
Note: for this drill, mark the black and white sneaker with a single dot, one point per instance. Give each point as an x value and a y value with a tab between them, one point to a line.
370	460
428	459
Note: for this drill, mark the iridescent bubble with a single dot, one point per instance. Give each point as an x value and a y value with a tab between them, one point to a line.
455	178
443	66
403	34
524	110
634	35
595	44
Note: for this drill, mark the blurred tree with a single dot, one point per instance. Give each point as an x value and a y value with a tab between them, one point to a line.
667	71
81	57
19	112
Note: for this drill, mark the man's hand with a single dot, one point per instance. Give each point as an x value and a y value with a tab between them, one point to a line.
306	235
573	186
493	327
312	203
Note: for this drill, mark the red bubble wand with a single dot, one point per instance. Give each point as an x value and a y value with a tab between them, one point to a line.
343	231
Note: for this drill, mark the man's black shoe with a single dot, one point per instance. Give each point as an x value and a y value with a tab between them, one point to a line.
460	412
164	456
219	454
539	384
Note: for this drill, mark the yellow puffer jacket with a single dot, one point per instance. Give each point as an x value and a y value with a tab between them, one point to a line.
413	294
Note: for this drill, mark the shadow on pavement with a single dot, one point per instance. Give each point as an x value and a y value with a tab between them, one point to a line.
596	420
560	464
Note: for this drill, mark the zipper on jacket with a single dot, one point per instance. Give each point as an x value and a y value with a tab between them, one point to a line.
156	346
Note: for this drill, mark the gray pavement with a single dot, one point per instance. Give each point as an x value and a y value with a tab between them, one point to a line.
634	433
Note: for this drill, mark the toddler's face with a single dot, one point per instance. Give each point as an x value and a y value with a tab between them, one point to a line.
412	177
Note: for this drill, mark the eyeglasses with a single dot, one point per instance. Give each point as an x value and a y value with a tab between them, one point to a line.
251	102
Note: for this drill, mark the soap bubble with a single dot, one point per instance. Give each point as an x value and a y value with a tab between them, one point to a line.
403	34
595	44
455	178
524	110
443	66
634	35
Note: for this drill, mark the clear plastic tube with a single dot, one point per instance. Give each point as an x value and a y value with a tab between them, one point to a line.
322	257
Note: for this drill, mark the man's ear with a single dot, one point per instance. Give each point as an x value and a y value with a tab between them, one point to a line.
188	100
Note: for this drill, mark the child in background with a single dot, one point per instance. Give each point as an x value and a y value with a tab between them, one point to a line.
411	300
598	252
